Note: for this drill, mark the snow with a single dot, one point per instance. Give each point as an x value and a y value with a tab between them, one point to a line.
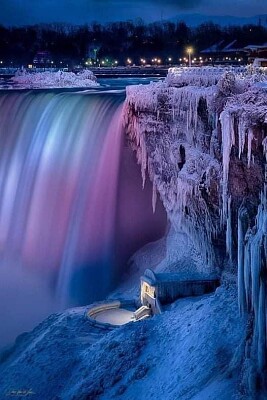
205	76
47	79
116	316
65	357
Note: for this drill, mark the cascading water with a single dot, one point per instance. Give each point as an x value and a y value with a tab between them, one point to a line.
55	186
60	158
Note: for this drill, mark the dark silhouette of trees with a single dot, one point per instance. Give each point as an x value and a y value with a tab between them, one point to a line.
119	40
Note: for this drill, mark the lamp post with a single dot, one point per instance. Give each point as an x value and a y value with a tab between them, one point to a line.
189	50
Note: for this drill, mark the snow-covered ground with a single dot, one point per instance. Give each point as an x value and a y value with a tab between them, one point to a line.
47	79
192	351
117	316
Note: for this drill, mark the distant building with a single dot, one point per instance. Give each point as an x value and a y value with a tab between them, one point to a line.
42	59
225	53
256	51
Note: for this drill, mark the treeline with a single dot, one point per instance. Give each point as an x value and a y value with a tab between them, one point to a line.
119	40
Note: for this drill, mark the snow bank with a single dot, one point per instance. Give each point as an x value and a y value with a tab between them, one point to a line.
209	76
205	76
172	356
60	79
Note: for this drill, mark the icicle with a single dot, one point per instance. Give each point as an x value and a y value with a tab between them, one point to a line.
229	234
241	136
196	113
264	144
228	140
154	197
255	271
247	269
250	138
261	328
242	227
143	161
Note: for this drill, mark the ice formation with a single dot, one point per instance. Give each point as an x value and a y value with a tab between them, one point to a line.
173	134
244	117
201	137
252	271
47	79
205	76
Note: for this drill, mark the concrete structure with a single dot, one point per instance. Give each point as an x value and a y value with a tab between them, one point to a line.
110	315
142	313
164	288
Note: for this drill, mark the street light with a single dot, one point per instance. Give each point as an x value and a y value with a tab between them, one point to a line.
189	51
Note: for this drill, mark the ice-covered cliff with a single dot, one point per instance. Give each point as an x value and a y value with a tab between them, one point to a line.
200	135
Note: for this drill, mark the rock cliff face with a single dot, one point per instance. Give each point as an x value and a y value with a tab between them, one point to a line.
201	136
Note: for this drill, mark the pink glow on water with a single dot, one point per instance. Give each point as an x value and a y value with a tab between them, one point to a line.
99	218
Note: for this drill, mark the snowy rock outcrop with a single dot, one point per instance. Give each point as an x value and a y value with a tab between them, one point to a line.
200	135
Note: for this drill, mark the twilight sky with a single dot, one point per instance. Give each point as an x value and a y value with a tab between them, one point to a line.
22	12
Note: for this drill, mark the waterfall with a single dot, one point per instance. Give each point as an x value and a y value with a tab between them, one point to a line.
59	162
72	208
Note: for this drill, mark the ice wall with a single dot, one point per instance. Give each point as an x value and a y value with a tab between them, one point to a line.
244	137
175	137
200	136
